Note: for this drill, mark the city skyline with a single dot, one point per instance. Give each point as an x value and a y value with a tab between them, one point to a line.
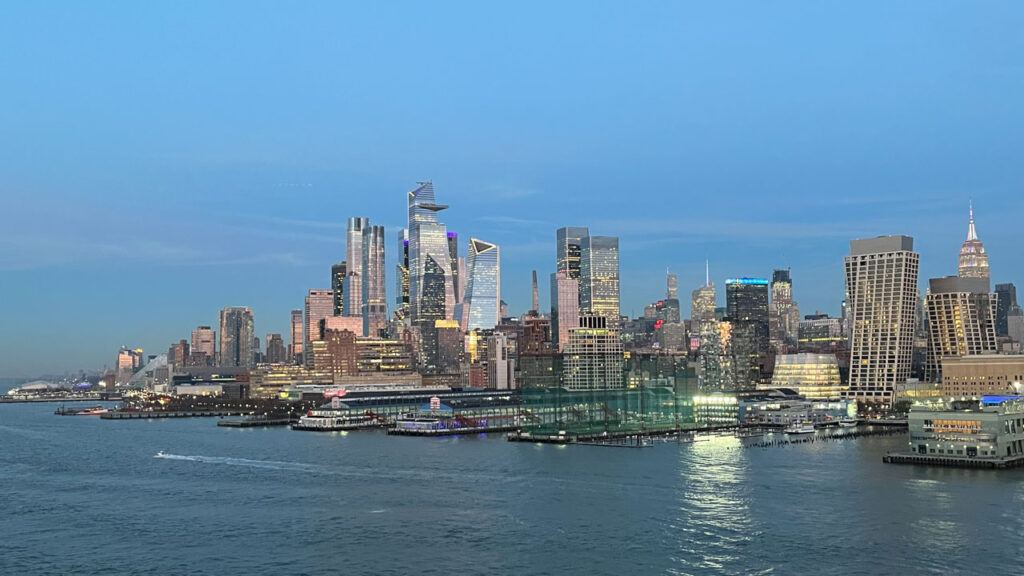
767	155
545	304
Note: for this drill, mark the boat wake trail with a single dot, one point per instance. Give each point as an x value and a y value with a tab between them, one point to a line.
226	461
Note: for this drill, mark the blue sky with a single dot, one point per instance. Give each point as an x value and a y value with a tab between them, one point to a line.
159	161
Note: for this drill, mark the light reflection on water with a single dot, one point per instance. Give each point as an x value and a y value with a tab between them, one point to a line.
713	526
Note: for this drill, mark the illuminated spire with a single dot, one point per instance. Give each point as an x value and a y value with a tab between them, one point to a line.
971	233
707	273
973	259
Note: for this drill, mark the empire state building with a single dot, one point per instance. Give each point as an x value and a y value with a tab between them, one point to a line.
973	259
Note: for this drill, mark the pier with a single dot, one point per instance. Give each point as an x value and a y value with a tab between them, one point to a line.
155	414
953	461
449	431
258	421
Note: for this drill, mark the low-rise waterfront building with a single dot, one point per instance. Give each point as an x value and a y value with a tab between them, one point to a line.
991	427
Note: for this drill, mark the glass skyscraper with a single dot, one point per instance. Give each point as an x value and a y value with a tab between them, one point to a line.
599	277
374	298
569	244
353	296
565	307
338	273
236	336
402	276
431	285
481	308
747	309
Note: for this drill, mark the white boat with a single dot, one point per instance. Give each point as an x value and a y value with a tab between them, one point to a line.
800	428
160	454
848	422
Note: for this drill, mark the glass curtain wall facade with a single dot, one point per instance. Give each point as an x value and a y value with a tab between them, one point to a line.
431	297
565	308
599	277
236	336
338	273
374	298
483	287
569	244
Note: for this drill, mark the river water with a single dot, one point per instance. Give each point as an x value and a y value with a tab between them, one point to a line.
85	496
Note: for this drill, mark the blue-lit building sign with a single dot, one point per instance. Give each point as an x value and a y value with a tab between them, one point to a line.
997	400
750	281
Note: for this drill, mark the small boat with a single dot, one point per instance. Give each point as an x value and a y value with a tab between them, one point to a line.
94	411
800	428
848	423
160	454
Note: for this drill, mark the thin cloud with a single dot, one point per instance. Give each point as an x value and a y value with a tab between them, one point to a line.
513	221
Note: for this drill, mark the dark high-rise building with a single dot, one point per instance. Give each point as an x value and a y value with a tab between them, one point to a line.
569	245
178	354
453	254
747	309
276	352
236	336
402	276
1007	294
338	273
672	286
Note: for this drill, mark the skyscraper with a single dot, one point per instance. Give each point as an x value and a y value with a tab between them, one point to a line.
1007	300
569	245
593	356
702	303
276	353
672	286
319	305
535	301
483	287
203	351
973	259
881	285
747	309
565	307
295	346
961	320
402	276
784	314
338	273
431	285
458	283
236	336
374	298
599	277
353	287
